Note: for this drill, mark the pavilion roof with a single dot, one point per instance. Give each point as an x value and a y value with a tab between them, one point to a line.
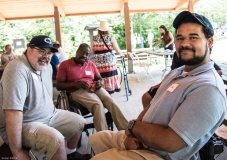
29	9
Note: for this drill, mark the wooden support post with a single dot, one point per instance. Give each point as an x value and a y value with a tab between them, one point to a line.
57	25
190	6
128	36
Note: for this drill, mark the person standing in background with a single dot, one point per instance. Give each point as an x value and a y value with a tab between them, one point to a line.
8	55
140	41
133	41
167	38
105	60
62	56
150	38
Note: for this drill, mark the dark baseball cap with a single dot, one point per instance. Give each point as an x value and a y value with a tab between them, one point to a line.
42	41
200	18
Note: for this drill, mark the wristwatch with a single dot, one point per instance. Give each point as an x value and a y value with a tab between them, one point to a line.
130	125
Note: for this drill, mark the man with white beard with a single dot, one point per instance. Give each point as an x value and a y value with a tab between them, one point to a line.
27	114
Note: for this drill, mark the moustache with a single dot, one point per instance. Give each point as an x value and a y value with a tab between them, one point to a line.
186	48
83	58
43	59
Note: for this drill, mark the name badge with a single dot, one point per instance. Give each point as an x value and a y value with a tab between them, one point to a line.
88	72
172	87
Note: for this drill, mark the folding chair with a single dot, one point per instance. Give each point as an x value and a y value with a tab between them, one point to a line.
143	64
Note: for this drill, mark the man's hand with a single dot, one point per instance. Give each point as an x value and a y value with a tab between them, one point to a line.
132	143
127	132
22	155
98	84
82	84
152	87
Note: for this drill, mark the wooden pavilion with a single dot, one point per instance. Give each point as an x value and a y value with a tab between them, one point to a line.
30	9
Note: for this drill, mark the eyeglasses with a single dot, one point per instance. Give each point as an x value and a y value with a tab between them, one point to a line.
83	52
43	52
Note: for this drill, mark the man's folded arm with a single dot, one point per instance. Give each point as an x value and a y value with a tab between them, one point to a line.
158	137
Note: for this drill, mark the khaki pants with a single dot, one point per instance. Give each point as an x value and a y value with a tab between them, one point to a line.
109	145
45	137
95	103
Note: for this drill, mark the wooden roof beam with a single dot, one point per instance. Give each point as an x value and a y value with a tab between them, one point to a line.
180	4
152	10
2	18
32	17
195	1
92	13
51	16
60	9
123	5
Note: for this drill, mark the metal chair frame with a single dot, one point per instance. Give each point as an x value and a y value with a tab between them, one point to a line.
144	64
65	102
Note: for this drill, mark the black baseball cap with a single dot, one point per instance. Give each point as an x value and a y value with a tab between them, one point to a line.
42	41
200	18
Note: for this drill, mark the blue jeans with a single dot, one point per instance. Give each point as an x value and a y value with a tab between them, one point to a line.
170	47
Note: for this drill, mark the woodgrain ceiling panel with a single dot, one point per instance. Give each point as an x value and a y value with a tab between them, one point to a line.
24	9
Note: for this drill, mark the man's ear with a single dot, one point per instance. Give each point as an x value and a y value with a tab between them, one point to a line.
210	42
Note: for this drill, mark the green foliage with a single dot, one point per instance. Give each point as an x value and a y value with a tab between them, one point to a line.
73	32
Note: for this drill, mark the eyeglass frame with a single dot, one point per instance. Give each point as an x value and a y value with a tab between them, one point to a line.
42	51
83	52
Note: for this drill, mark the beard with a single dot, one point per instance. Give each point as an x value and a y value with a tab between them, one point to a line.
40	67
195	60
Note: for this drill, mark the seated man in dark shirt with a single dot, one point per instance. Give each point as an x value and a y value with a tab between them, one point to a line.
147	96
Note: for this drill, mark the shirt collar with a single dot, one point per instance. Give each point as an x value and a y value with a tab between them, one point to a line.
203	68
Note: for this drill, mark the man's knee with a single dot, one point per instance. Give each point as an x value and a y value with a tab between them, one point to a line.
146	97
43	138
67	123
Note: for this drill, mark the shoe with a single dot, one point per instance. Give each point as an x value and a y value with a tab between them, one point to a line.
77	156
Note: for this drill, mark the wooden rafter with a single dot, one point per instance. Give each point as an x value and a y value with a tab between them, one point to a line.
2	18
180	4
19	9
123	5
195	1
152	10
60	8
